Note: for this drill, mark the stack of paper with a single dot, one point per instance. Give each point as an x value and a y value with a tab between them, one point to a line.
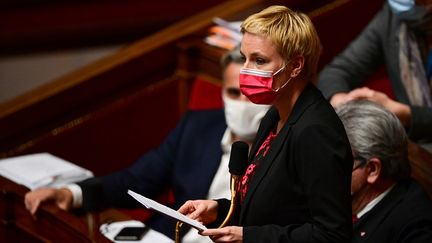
42	170
224	34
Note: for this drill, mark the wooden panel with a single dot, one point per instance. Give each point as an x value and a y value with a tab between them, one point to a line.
116	134
51	224
73	96
96	109
41	25
64	100
421	166
30	123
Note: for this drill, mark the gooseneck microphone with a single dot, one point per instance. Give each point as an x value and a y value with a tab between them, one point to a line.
237	166
238	158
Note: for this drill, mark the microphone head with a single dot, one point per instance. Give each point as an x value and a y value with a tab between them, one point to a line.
238	158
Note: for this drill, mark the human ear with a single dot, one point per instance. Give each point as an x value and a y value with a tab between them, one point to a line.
297	66
373	170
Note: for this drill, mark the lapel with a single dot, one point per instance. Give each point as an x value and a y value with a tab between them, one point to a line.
308	96
392	58
378	215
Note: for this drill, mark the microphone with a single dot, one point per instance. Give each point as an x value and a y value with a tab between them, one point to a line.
237	166
238	158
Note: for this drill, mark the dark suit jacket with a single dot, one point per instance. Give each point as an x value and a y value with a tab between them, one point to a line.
301	189
404	215
378	44
185	162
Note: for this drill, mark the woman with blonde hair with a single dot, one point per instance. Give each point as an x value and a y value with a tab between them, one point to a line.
297	185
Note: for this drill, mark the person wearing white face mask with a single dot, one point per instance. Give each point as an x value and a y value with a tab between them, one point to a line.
243	117
192	161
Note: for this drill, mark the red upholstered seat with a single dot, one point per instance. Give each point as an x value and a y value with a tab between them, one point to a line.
379	81
205	95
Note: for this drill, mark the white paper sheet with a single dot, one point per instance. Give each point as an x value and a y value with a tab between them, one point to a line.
42	169
148	203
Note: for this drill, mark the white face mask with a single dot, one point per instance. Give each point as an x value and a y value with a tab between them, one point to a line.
242	117
399	6
407	10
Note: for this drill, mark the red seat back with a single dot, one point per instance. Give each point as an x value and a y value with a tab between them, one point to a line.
205	95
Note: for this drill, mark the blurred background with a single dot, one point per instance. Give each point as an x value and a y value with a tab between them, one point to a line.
41	40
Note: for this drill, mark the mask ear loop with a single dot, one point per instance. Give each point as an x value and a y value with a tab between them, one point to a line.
281	87
278	71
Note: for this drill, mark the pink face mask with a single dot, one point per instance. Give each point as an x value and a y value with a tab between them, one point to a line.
257	85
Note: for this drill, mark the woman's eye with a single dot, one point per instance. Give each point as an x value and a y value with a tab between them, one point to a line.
260	61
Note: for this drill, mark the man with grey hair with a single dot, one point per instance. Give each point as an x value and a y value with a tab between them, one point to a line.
388	206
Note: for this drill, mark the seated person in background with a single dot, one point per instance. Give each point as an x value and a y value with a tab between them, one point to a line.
388	206
399	37
192	161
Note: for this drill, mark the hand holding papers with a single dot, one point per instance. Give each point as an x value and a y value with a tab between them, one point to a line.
148	203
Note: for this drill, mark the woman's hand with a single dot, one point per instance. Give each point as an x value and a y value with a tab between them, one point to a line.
225	234
62	198
203	211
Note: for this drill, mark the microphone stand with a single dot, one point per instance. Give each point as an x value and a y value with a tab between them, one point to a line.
233	186
237	168
179	224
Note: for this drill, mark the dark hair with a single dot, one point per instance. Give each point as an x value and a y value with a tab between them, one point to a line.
232	56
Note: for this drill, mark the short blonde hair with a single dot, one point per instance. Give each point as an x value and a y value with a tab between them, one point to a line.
291	32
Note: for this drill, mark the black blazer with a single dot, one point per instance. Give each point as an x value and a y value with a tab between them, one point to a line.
301	189
404	215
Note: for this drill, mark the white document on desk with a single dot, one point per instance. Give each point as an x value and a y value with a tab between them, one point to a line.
42	170
148	203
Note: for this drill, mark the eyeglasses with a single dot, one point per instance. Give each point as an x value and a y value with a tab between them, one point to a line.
361	162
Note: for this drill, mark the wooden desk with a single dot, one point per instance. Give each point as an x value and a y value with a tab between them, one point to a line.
421	166
51	224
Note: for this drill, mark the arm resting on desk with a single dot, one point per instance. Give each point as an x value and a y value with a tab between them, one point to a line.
61	197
